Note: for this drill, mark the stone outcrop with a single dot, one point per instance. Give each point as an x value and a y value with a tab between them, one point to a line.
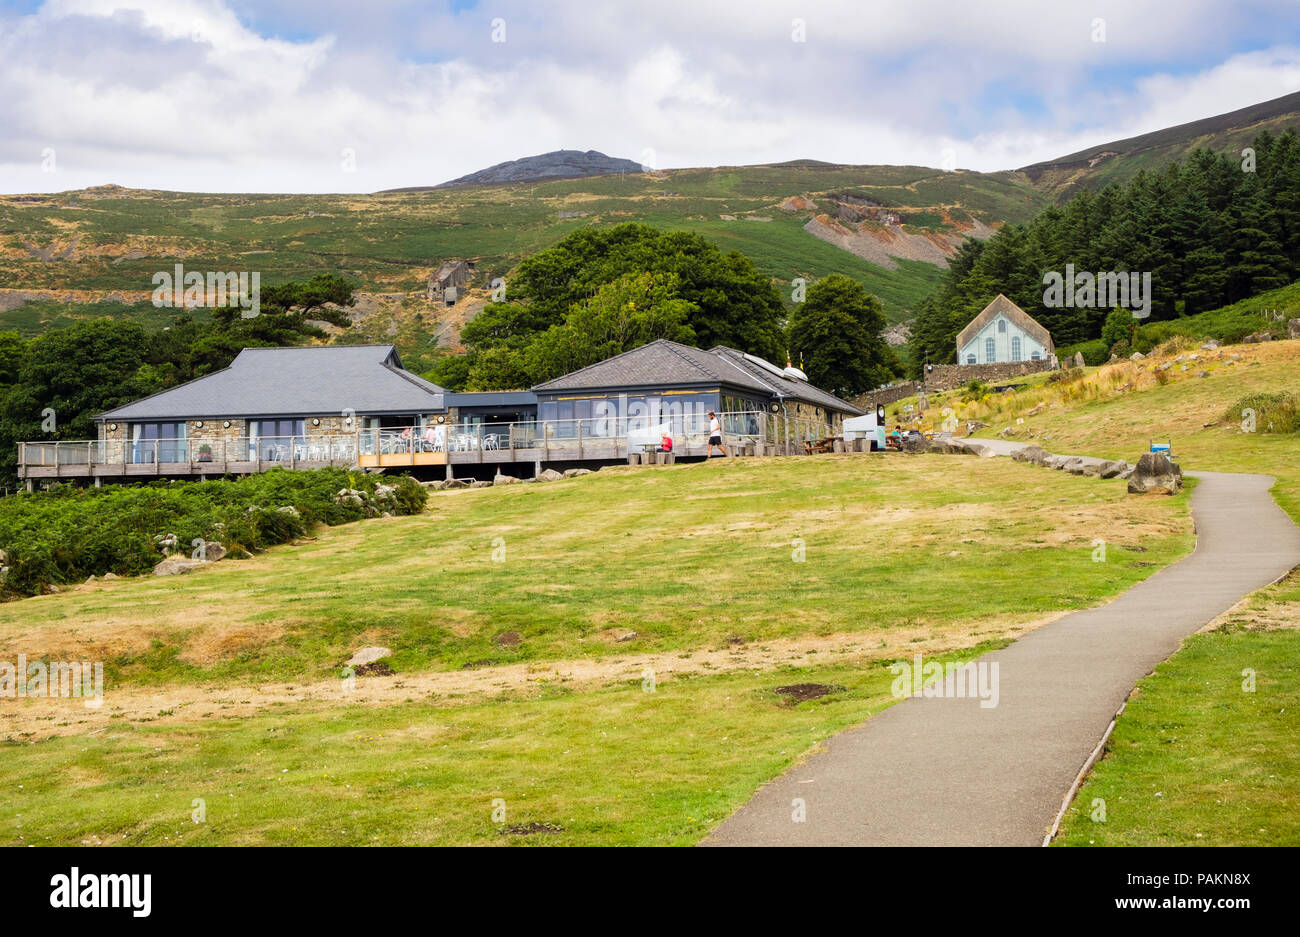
1155	473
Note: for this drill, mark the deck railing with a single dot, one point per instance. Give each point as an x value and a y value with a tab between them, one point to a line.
595	437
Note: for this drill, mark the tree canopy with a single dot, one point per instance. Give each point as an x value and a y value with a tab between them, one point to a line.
679	284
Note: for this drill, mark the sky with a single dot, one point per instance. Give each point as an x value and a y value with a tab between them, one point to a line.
348	96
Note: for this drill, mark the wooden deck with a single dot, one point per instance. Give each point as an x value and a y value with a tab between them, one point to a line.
538	457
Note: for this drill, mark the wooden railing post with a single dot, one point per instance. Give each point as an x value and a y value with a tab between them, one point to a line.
580	440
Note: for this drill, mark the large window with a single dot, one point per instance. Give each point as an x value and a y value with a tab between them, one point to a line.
1015	348
272	440
165	441
990	351
1002	326
970	359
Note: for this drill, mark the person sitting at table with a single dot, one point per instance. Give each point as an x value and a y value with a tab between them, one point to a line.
427	443
665	443
405	438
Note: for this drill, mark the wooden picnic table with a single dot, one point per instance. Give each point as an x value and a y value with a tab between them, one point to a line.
825	444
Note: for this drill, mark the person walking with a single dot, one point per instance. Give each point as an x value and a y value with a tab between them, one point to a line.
715	435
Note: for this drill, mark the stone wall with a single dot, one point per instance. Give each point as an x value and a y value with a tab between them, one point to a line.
886	395
949	376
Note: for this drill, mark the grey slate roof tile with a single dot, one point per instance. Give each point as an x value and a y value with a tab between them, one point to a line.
269	382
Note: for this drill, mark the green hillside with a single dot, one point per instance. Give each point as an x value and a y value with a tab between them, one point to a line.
108	242
1120	160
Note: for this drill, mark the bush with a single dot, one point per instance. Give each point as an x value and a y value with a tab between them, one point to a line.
66	534
1094	352
1273	413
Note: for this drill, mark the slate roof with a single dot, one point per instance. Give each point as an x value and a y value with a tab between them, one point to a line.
1003	306
289	382
787	386
663	363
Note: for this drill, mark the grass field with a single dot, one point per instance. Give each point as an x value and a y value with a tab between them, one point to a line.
700	561
686	557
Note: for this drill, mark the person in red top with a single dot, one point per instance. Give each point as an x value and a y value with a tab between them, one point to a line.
666	443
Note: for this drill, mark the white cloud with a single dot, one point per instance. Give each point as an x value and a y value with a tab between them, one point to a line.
200	95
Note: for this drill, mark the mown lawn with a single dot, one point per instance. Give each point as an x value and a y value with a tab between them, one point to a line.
686	557
615	766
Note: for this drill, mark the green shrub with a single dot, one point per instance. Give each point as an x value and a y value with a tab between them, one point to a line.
66	534
1273	413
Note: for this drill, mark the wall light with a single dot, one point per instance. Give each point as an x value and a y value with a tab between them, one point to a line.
226	424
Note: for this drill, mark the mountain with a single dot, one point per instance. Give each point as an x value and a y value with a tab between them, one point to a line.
1100	165
558	164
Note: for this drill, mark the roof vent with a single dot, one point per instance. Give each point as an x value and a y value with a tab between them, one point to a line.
795	373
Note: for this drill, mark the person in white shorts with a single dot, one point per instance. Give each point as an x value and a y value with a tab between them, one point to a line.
715	435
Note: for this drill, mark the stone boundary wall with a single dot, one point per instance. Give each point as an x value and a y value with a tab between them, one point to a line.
950	376
886	395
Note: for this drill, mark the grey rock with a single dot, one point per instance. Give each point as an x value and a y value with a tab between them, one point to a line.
175	565
575	472
1111	469
505	480
550	475
1034	455
1155	473
368	655
479	483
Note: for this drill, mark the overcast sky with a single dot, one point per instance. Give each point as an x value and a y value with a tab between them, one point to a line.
360	95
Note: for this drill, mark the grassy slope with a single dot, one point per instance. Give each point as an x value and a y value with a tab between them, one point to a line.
391	241
686	556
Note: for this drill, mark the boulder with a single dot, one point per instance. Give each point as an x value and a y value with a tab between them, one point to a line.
975	449
575	472
1073	465
1078	360
1136	356
1111	469
368	655
1293	328
1034	455
479	483
213	550
290	510
505	480
456	483
550	475
915	444
175	565
974	426
434	485
1155	473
